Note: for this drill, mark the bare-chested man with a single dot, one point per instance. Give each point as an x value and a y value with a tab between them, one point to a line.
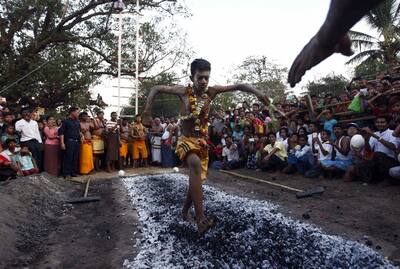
98	140
192	145
331	37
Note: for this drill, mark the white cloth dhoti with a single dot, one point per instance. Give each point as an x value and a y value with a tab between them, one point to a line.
156	148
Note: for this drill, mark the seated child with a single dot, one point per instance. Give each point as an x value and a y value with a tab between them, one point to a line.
26	162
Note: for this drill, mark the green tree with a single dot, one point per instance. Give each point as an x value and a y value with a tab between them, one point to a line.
61	48
166	105
379	53
264	74
330	84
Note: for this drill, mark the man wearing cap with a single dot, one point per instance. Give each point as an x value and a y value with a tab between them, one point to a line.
30	135
70	138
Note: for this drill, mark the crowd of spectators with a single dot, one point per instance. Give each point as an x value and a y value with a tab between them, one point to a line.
355	135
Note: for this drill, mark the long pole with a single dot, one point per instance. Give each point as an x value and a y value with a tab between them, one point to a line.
137	59
119	60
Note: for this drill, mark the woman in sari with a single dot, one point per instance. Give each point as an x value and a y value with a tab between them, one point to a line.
86	164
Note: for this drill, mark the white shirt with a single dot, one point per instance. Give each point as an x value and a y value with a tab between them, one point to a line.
302	151
327	147
29	130
231	154
377	146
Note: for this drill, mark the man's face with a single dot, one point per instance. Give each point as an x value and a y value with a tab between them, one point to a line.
10	129
26	115
138	119
328	115
395	107
351	131
255	108
302	141
75	114
100	115
157	122
381	124
12	145
324	136
200	80
114	116
272	139
8	118
338	131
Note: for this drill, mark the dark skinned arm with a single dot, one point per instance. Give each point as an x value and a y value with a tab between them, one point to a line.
331	37
175	90
215	90
344	147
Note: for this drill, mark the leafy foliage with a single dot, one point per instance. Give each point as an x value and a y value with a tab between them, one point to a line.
264	74
64	47
330	84
381	52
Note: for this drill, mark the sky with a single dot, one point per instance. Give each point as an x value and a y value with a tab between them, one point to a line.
225	32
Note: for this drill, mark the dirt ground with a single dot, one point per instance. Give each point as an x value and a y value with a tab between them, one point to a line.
42	231
39	230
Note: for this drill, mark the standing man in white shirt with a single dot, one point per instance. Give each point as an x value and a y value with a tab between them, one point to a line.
384	145
30	135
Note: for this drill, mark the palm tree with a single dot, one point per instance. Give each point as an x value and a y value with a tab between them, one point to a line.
383	49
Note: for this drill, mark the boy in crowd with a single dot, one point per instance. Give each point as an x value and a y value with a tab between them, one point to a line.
139	143
323	149
25	162
328	121
230	154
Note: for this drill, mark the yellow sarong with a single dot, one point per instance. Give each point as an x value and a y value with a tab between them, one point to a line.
194	145
86	158
98	145
123	149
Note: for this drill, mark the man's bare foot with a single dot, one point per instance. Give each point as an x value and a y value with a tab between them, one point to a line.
204	225
186	216
314	53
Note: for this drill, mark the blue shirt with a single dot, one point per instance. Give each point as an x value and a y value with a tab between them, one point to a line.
328	126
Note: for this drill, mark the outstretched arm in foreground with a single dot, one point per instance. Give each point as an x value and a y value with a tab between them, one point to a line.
175	90
331	37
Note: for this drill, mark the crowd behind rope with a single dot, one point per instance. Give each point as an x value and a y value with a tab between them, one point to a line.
354	136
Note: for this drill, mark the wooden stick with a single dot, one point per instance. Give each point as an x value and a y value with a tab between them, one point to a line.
87	187
260	180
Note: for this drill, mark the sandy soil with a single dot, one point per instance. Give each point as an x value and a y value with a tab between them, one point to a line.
39	230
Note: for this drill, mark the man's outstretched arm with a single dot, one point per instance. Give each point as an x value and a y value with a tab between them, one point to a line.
331	37
176	90
239	87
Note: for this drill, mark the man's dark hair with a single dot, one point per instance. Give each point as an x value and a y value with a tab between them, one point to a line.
84	113
113	113
327	132
9	140
303	136
138	115
271	133
257	105
199	65
99	112
382	117
72	109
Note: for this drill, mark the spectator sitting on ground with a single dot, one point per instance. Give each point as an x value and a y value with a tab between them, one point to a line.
341	146
8	167
25	162
324	152
276	155
230	154
384	145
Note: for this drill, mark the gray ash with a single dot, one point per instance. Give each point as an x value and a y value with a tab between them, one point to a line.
248	234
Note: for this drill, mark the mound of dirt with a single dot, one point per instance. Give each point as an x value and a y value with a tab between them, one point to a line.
30	207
